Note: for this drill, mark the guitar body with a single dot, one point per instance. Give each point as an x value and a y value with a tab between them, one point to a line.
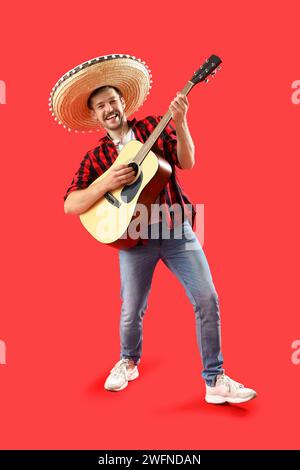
109	218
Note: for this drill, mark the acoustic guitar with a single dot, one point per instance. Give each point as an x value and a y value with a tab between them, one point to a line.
109	219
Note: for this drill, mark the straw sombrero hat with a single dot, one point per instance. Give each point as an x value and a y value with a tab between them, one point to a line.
68	98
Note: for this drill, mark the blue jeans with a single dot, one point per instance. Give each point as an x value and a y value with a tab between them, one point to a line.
185	258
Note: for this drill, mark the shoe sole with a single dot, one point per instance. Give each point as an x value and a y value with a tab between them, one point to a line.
218	400
133	377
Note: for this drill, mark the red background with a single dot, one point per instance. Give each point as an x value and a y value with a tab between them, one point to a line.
60	288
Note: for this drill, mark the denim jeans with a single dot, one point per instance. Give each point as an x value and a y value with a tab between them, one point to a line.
184	256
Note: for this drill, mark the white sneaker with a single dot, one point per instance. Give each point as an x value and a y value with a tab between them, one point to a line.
120	375
227	390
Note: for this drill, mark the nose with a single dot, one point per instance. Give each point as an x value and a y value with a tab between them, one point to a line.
108	108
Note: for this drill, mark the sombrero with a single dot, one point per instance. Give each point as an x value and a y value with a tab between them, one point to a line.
68	98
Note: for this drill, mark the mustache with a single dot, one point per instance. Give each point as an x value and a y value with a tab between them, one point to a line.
111	114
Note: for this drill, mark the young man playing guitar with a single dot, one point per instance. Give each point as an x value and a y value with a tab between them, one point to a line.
106	105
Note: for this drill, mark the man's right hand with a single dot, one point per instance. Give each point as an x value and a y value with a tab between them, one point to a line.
118	176
82	199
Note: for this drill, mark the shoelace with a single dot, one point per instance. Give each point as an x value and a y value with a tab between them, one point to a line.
232	384
120	367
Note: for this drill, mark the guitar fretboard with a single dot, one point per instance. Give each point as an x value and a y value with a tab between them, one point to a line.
145	149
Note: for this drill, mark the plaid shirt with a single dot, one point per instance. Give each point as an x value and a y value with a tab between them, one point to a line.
98	160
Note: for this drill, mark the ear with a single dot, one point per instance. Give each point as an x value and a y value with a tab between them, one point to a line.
93	115
123	102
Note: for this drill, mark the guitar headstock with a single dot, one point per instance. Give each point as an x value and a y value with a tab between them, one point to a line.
210	67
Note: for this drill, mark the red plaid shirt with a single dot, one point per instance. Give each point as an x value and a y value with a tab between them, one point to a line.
99	159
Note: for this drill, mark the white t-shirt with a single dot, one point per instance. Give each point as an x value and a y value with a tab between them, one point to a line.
127	138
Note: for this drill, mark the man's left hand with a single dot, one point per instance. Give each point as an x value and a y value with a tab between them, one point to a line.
178	108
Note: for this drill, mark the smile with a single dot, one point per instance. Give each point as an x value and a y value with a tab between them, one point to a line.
111	117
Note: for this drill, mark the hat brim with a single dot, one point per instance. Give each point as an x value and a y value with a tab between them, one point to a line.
68	100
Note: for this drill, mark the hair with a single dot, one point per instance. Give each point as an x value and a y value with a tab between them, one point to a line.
98	90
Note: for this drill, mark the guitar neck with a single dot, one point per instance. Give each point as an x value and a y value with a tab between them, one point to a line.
145	149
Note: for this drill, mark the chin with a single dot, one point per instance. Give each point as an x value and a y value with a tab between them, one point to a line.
116	125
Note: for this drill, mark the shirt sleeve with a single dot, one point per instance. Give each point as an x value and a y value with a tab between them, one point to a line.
167	142
83	177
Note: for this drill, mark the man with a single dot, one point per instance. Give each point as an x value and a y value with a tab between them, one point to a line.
183	256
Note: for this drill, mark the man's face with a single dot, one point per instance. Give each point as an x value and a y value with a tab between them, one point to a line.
108	109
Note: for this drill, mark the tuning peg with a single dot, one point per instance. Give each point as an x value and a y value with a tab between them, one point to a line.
219	68
206	80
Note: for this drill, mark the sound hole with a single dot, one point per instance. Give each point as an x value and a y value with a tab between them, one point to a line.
134	166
